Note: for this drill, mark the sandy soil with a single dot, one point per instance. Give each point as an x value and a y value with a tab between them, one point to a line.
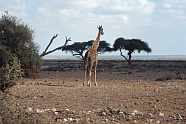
151	92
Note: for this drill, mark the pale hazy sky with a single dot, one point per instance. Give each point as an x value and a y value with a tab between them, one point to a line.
161	23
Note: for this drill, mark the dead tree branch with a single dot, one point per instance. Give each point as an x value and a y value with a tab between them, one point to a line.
52	39
45	52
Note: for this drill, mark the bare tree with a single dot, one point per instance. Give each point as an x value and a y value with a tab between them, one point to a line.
46	52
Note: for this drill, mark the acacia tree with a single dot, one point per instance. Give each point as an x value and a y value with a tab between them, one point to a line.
79	48
130	45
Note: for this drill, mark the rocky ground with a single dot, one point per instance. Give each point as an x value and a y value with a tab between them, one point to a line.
151	92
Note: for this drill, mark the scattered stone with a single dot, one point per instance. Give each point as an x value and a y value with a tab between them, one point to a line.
150	115
151	120
135	121
70	119
46	110
104	113
56	113
106	120
30	109
134	112
107	115
161	114
121	112
118	115
65	120
54	109
88	112
39	110
67	109
158	122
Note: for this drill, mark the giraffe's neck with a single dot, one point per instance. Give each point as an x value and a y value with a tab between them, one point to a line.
95	44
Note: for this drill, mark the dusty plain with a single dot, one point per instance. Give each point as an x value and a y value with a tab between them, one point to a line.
147	92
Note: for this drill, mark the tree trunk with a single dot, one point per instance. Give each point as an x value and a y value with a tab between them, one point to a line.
130	57
121	53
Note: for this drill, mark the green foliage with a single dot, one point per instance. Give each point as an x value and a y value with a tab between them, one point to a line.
4	68
15	71
17	37
4	77
79	48
14	34
130	45
4	54
103	46
10	69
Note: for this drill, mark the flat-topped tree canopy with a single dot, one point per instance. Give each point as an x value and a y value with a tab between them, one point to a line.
130	45
79	48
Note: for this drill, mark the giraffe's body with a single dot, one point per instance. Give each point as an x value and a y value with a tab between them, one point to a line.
91	59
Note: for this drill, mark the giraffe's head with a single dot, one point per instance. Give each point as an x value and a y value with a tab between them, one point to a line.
100	28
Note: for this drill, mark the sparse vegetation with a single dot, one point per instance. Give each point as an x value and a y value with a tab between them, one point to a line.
147	92
18	51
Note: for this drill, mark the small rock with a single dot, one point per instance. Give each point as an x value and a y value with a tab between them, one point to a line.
135	121
150	120
88	112
104	113
46	110
65	120
39	110
70	119
158	122
150	115
30	109
136	112
56	113
161	114
54	109
106	120
120	112
67	109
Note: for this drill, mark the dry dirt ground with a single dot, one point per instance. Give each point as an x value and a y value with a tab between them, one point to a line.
144	93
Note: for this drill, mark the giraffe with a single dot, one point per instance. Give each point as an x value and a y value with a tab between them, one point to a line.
91	59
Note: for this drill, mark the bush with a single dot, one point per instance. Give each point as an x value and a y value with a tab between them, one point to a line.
10	72
4	77
17	38
4	68
15	72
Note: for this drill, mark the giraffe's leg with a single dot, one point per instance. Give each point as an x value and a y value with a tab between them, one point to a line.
85	78
95	81
89	74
